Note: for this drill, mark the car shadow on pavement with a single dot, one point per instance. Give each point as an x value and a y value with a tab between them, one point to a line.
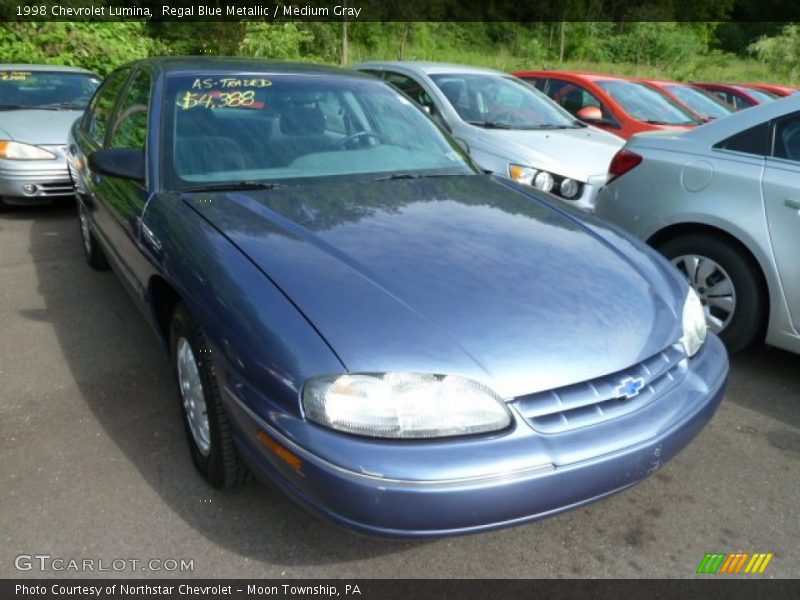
124	379
767	380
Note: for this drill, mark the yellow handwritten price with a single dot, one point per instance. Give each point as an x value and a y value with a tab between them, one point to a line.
220	100
14	75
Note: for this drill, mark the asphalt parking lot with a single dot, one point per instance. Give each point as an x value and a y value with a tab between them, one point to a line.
94	463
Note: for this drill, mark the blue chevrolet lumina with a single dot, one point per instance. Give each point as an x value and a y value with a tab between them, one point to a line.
402	343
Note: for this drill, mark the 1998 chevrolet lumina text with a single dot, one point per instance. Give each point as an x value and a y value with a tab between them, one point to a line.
404	344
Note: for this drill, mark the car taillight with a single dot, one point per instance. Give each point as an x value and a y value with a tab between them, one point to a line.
623	161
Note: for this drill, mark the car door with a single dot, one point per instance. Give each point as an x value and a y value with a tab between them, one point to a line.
120	202
89	134
781	185
573	97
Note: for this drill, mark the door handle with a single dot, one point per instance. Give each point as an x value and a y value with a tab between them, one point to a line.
795	204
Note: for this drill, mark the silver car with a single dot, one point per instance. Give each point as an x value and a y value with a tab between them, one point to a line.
38	105
722	202
508	127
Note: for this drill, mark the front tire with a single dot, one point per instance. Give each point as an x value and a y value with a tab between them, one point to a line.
207	427
91	249
728	282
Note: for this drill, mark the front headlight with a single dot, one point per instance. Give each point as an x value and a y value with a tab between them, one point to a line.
521	174
546	181
694	324
17	151
404	405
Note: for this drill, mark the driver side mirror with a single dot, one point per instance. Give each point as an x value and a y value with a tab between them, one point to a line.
125	163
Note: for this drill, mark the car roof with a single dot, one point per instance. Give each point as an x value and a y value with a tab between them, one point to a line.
590	75
195	64
428	68
44	68
661	81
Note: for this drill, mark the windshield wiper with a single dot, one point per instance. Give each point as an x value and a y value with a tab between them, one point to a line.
654	122
415	176
233	186
12	106
490	124
554	126
59	106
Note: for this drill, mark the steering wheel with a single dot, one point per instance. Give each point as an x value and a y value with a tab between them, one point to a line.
358	135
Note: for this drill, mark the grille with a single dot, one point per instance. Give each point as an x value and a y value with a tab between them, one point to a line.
595	401
56	188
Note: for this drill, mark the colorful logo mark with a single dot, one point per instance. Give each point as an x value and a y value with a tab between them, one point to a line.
735	562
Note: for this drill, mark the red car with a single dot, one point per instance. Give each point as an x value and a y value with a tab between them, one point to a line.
702	103
621	106
738	96
777	90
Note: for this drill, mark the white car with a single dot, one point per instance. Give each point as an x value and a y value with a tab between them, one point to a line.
508	127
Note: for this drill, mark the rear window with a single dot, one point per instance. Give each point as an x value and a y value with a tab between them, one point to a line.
751	141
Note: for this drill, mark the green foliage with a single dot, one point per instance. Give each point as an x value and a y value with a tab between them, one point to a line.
781	52
97	46
280	41
692	50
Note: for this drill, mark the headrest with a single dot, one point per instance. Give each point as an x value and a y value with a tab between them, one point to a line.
302	120
452	89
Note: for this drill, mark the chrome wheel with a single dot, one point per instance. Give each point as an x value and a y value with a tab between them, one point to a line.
714	286
194	403
86	233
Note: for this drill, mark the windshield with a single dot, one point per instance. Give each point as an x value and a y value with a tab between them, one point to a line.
51	90
496	101
647	105
703	104
249	127
759	95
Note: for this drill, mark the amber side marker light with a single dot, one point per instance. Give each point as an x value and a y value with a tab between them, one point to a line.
285	455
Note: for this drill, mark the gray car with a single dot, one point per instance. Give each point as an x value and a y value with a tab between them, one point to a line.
38	104
508	127
722	202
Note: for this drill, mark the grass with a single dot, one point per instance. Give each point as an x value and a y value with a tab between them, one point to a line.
711	67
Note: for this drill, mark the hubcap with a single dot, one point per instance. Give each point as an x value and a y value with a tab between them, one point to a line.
194	403
714	287
86	234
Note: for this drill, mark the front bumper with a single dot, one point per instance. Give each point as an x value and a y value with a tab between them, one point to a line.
418	494
49	178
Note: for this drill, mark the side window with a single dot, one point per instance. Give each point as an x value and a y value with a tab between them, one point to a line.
787	138
99	113
571	96
750	141
736	101
537	82
410	87
130	128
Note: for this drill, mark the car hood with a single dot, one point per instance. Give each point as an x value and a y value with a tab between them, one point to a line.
574	153
40	127
460	275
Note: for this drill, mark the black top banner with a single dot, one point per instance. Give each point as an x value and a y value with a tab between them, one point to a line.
527	11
